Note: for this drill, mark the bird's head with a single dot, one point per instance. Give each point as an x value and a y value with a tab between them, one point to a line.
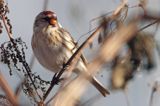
46	18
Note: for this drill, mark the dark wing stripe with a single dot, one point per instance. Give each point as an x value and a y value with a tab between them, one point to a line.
72	42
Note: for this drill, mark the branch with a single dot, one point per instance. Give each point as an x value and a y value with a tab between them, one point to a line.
6	27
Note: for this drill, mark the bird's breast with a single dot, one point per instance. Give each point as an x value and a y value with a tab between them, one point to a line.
49	53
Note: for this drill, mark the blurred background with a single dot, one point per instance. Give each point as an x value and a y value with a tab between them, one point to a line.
75	16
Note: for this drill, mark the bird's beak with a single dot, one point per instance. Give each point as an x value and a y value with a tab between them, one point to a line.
51	20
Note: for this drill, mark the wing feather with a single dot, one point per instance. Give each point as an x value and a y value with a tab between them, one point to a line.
70	43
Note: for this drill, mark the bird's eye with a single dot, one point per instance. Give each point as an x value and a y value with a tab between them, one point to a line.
47	19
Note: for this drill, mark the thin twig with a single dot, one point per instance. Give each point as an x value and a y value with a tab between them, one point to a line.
51	98
6	27
54	81
120	7
154	90
152	23
64	83
19	87
126	95
151	97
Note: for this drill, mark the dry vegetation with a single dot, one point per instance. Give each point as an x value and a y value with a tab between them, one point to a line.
115	31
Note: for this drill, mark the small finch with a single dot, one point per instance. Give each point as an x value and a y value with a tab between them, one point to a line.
53	46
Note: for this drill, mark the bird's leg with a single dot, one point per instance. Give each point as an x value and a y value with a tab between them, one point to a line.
55	79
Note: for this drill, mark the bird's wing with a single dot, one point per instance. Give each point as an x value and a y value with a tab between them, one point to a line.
69	42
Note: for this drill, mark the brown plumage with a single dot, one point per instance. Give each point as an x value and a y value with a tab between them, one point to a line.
53	46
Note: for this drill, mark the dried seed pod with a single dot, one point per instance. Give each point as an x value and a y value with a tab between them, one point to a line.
142	47
3	8
149	45
9	24
13	55
136	52
103	34
122	72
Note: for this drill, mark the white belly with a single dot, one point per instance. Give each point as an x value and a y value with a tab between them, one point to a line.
50	57
53	55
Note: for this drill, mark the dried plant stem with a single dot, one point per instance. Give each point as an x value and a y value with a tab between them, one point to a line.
120	7
154	90
106	54
41	103
10	95
152	23
19	87
29	74
75	57
53	82
51	99
126	96
54	97
24	63
113	44
151	97
6	27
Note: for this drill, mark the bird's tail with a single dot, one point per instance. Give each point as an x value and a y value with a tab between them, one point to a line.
81	66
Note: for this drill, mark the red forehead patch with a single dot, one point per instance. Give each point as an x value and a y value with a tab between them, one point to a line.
48	12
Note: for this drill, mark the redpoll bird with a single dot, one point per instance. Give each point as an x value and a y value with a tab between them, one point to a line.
53	46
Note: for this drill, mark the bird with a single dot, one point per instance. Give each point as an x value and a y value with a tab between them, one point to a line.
53	46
